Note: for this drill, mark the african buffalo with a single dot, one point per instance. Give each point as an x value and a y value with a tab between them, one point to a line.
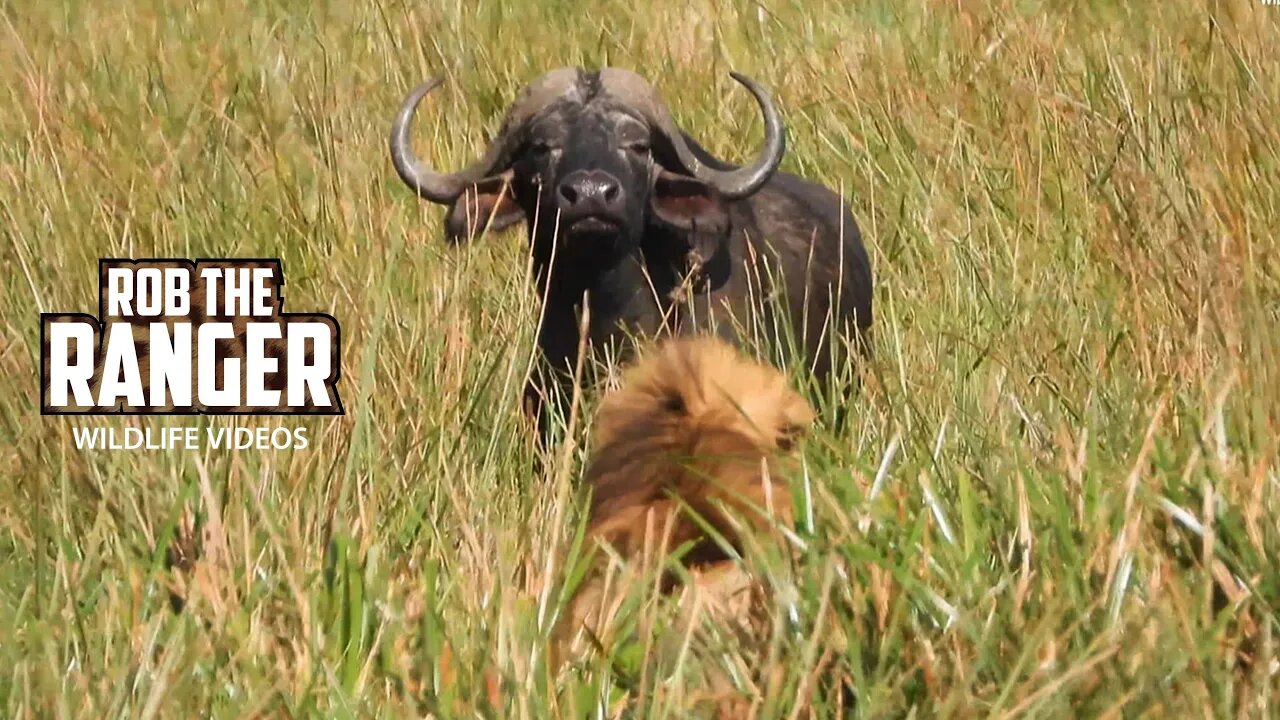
625	208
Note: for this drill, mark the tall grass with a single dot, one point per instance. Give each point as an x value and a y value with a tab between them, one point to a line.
1057	492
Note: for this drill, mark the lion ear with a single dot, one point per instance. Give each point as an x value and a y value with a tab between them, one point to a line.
489	204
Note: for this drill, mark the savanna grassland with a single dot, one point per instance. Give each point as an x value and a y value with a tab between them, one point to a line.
1058	492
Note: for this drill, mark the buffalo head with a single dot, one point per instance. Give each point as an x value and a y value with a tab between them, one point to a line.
590	158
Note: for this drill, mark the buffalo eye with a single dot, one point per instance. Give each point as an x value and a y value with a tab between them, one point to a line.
640	147
540	148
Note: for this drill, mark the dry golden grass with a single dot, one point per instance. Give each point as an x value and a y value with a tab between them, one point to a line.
1058	493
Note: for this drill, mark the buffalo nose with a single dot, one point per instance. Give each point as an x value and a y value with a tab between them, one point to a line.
589	191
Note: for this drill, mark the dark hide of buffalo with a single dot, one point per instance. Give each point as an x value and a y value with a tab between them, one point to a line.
628	212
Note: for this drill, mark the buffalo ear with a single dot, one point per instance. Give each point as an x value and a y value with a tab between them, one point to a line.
489	204
687	203
694	209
